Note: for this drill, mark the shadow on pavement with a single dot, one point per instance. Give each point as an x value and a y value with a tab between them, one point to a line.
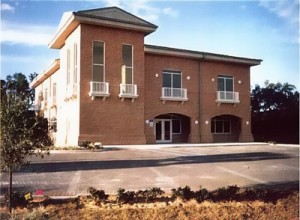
127	164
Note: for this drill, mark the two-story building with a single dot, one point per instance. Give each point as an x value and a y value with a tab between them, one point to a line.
109	87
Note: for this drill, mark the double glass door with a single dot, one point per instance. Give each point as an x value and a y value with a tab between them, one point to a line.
163	130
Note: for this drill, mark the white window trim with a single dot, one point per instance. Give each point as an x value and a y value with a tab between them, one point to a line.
174	72
227	77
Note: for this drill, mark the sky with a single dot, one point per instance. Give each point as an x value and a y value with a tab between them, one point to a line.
260	29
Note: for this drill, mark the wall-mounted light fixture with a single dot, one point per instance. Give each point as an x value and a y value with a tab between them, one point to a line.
212	79
156	75
206	122
188	77
196	122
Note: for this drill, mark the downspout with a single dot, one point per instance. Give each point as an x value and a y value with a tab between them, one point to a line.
200	93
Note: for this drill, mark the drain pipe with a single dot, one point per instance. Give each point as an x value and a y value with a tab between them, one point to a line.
200	100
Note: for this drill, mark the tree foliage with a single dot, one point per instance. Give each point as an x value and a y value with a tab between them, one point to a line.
23	134
275	113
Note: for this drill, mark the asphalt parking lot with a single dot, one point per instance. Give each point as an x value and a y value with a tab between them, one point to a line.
166	166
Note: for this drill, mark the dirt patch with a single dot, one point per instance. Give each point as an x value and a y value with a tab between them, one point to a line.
86	208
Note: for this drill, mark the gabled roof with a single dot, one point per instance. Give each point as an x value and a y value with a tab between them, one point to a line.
115	14
168	51
110	17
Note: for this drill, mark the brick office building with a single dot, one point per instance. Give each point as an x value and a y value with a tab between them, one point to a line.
109	87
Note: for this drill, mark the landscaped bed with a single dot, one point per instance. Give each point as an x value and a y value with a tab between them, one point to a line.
225	203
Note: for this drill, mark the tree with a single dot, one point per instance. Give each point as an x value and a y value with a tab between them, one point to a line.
23	133
275	113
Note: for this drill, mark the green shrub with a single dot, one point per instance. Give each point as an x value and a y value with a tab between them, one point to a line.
85	144
18	199
255	194
228	193
183	193
148	195
201	195
125	197
98	195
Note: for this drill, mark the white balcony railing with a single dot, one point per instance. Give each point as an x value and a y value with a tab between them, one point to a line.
100	89
227	97
128	91
174	94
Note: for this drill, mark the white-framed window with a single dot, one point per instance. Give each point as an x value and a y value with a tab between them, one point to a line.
221	125
75	70
172	79
98	61
127	64
225	83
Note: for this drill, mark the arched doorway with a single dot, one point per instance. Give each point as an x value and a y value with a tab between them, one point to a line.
171	128
225	128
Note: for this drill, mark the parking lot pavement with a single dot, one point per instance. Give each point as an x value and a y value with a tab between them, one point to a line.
165	166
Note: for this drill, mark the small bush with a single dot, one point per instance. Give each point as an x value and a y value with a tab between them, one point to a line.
125	197
201	195
255	194
98	195
18	199
85	144
183	193
228	193
148	195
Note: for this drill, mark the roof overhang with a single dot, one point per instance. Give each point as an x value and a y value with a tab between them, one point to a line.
47	73
75	19
167	51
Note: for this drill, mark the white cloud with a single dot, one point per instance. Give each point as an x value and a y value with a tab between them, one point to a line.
286	9
170	11
142	8
30	35
7	7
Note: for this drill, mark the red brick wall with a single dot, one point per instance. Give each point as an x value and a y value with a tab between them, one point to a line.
115	122
155	64
209	108
111	121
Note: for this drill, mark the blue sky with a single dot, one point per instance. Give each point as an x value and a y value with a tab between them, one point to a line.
262	29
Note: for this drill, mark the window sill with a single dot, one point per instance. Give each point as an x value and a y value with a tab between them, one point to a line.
174	99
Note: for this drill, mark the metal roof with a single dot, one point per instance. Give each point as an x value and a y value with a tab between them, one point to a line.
168	51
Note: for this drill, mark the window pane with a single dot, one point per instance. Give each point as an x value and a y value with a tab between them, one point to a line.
127	55
98	73
128	79
229	84
219	126
176	81
176	126
226	126
167	80
221	84
98	53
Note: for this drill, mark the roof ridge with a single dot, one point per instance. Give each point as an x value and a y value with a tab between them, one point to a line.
81	12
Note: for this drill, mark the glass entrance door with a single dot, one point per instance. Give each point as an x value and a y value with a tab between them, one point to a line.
163	130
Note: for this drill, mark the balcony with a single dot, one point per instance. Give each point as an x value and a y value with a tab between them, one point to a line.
227	97
174	94
128	91
99	89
